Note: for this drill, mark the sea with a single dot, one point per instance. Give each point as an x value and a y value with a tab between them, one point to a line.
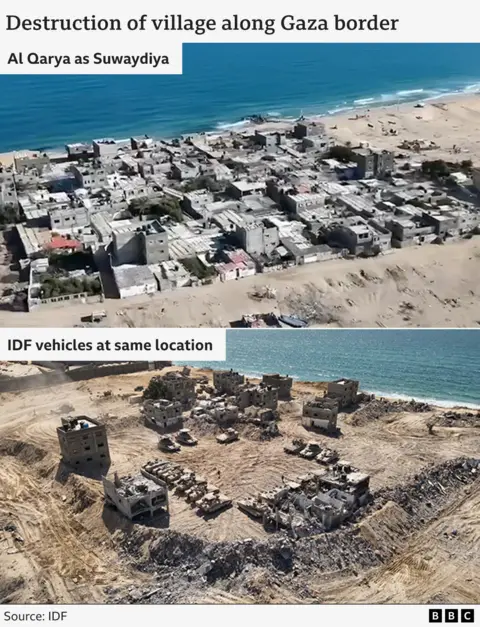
437	366
224	83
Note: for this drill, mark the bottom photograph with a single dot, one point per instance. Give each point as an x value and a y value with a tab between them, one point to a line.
312	466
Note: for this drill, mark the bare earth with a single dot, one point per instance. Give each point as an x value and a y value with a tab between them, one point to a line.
70	548
430	286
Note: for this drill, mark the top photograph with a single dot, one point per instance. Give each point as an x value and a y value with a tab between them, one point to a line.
269	186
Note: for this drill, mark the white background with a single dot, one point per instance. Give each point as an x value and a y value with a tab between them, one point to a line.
216	336
236	616
418	22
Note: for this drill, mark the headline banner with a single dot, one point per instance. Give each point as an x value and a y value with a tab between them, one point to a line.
112	344
88	38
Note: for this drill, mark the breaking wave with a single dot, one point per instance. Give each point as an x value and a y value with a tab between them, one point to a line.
431	401
419	94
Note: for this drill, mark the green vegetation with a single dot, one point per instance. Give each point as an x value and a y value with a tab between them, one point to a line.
53	287
156	389
202	182
8	215
165	206
197	268
440	169
344	154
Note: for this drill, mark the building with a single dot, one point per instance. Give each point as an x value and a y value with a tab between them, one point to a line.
68	218
257	395
137	497
258	238
344	390
227	381
365	160
79	151
163	415
83	442
238	189
281	383
476	178
133	280
109	147
137	242
90	177
321	413
174	386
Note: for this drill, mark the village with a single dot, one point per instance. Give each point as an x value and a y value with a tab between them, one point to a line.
126	218
158	483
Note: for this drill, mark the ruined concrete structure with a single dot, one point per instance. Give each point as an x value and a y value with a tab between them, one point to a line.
259	395
177	387
222	410
136	497
163	415
345	390
282	383
227	381
83	442
321	413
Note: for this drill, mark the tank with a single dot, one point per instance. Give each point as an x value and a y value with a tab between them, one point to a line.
167	445
185	482
252	507
197	491
229	435
327	456
186	438
213	502
295	447
310	451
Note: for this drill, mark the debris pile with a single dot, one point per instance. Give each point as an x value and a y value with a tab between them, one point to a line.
379	407
185	564
314	503
459	419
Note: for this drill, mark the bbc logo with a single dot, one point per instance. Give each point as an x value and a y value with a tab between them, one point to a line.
451	616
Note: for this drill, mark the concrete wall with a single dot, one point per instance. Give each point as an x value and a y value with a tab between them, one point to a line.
78	374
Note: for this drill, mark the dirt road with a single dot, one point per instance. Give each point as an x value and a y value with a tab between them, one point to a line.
430	286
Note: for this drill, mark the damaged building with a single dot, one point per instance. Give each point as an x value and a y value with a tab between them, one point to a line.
175	387
227	381
136	497
282	383
258	395
163	415
344	390
83	442
321	413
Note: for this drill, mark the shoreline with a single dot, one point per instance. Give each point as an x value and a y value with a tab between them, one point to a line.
436	403
359	107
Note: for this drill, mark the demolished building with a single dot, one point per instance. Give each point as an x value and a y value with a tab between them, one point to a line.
227	381
321	413
282	383
137	497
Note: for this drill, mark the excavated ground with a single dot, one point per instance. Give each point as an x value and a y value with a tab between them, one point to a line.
417	542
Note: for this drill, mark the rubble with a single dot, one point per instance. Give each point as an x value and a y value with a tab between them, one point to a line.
380	407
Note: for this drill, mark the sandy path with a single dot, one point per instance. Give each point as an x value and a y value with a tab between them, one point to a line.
440	282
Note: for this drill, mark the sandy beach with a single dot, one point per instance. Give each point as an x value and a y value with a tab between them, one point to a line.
430	286
448	121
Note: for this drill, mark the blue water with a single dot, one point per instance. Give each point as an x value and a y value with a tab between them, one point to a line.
433	365
224	82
